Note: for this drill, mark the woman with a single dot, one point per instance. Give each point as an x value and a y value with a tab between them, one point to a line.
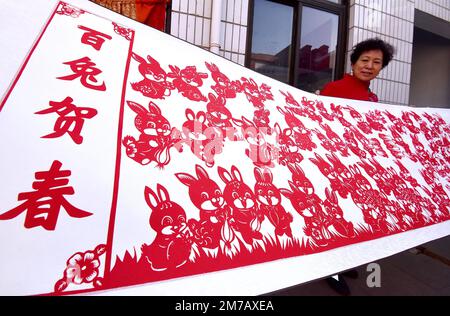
367	60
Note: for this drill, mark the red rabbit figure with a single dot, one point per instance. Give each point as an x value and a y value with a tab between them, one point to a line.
206	195
155	84
289	99
219	116
409	123
261	152
398	123
256	95
360	121
269	200
200	138
323	111
376	120
238	195
224	87
288	151
302	136
339	115
262	120
172	245
406	175
396	151
187	82
328	171
156	136
352	144
339	144
334	211
325	142
316	223
341	175
369	201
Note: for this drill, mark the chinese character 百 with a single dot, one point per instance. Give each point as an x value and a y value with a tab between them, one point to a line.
93	38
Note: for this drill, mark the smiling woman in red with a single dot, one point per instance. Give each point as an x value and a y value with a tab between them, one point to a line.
367	59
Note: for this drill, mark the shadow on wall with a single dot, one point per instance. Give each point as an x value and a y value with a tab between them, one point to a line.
430	70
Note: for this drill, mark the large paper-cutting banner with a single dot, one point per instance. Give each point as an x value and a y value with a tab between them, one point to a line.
130	158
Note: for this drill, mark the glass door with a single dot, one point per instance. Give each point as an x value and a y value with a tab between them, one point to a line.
317	49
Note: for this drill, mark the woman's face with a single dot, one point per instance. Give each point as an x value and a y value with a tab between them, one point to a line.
368	65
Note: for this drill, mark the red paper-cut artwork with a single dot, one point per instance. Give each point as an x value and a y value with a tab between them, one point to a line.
192	164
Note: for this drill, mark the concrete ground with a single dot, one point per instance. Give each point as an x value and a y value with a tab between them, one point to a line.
421	271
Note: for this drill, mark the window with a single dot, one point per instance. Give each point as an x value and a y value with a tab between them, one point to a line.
299	42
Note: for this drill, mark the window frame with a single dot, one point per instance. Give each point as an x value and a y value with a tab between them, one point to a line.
341	10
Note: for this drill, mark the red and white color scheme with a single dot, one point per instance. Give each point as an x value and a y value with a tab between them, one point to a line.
132	157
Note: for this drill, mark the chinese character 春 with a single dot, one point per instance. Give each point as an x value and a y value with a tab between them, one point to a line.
70	120
85	69
43	204
93	38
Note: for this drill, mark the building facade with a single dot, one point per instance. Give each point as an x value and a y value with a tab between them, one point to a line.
306	43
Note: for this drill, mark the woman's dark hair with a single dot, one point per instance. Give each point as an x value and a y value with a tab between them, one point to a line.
373	44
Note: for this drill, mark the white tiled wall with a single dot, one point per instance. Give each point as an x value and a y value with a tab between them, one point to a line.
191	21
392	21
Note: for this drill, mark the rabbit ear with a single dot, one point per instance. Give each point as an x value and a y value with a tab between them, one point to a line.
154	108
267	175
247	121
287	193
236	173
293	187
222	100
277	129
238	122
281	110
224	175
328	193
334	197
151	198
137	108
201	173
138	58
212	97
258	175
201	117
152	60
212	67
186	179
162	193
190	114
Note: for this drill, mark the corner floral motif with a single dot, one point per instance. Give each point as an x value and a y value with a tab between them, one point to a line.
81	268
67	9
123	31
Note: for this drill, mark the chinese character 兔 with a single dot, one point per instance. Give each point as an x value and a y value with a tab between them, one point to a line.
85	69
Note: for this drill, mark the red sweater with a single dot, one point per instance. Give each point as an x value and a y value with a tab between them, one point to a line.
349	87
